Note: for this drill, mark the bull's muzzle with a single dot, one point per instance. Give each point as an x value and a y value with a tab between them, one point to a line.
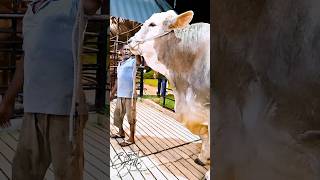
129	41
134	46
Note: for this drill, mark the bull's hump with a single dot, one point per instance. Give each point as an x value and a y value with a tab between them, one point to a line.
179	51
196	28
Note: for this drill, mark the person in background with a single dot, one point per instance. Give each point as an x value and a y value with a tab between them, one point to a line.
162	83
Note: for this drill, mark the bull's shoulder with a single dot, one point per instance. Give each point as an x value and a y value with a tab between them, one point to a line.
200	25
198	31
195	28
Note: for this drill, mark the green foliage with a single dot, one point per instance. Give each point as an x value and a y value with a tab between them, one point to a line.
148	75
89	59
154	83
151	82
169	103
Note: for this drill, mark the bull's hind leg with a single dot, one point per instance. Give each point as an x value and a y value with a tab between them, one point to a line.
204	156
207	175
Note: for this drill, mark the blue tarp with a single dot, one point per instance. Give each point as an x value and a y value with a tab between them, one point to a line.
137	10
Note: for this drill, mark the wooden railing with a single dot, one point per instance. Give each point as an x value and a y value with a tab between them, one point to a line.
94	74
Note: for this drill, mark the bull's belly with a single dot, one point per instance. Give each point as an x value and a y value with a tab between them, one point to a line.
196	123
193	110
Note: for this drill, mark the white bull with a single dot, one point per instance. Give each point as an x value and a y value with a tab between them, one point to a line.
181	52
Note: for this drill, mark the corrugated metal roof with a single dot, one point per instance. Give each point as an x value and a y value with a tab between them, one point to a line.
137	10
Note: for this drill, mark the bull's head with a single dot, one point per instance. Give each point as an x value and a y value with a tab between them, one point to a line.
157	26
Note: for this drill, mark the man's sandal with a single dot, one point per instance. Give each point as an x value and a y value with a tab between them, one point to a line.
125	143
116	136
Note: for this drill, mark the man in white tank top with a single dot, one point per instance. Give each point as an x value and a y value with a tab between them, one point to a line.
126	95
46	74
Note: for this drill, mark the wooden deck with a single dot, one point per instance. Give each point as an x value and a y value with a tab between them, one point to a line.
164	149
95	144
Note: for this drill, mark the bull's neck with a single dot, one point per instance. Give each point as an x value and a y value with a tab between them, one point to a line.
174	53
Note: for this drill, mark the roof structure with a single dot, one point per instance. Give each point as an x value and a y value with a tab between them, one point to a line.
137	10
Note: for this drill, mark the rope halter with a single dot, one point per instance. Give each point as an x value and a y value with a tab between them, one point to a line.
141	41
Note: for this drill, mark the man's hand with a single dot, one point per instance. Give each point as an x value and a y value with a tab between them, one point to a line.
112	96
113	91
6	110
91	6
7	103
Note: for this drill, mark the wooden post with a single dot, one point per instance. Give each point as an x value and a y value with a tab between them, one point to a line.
101	75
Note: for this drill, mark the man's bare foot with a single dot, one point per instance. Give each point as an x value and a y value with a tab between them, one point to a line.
117	135
126	143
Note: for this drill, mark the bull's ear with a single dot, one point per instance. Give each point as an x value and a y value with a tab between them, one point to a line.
182	20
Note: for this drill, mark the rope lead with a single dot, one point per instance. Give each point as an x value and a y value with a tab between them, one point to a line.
77	39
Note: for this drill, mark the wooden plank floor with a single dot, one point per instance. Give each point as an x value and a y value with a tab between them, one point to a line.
95	152
164	149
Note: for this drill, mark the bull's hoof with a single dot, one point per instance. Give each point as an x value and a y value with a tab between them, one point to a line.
199	162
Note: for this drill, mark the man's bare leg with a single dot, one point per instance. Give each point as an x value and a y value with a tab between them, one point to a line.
132	132
119	134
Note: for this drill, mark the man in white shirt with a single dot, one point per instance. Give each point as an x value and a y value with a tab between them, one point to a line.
46	74
126	95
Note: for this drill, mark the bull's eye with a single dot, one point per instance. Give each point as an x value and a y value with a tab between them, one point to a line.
152	24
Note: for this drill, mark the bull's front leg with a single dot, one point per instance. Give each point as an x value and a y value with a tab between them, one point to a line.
204	156
198	122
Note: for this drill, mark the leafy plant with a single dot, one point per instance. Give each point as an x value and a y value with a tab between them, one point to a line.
169	102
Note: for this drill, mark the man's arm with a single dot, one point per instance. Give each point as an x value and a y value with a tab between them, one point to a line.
113	91
91	6
7	103
138	60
